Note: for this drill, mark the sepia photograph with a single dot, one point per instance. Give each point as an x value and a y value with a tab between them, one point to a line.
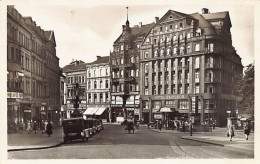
128	79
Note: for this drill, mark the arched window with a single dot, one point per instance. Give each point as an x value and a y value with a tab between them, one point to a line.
188	49
169	51
182	50
162	52
174	50
122	61
155	53
132	59
137	73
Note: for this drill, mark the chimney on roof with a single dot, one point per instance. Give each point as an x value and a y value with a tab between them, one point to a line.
98	57
205	11
156	19
140	24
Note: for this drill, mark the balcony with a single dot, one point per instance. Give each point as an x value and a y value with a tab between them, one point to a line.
115	67
179	68
115	80
129	65
197	80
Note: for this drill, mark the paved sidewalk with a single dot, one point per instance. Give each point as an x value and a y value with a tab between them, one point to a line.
216	137
25	141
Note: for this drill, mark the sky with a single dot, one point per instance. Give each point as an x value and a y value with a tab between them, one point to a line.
85	29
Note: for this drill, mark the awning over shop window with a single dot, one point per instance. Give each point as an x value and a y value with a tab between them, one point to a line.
90	111
100	111
166	110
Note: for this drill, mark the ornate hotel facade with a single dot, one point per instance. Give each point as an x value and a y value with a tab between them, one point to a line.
189	68
181	67
32	71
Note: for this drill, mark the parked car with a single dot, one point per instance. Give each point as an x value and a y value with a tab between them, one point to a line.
74	128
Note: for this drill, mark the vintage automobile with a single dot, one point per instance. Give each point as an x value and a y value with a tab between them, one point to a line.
74	128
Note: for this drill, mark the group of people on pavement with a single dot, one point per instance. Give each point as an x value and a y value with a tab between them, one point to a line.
231	130
33	127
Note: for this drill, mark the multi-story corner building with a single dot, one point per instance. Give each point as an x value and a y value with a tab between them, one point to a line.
75	73
125	71
63	100
189	68
98	88
33	71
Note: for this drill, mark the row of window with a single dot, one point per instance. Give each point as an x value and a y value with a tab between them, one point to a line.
76	79
98	86
122	61
128	73
182	104
100	73
169	51
125	88
98	98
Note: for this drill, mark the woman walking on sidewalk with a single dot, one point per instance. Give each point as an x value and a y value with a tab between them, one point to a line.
231	130
247	129
49	128
35	127
29	127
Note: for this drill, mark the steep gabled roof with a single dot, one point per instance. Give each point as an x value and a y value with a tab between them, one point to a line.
209	29
142	31
218	15
139	31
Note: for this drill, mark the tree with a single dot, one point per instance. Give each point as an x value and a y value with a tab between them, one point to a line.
247	90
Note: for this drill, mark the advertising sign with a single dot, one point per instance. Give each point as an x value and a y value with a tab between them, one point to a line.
157	116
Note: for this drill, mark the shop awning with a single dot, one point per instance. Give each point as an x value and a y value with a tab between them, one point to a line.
90	111
166	110
100	110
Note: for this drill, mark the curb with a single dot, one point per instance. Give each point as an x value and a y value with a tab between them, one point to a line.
36	148
203	141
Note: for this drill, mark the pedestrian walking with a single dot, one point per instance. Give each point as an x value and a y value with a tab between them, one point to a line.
183	126
20	126
43	127
231	131
178	125
173	125
49	128
191	127
160	125
35	127
29	127
247	129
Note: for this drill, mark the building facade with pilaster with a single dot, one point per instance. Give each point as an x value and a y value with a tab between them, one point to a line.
32	65
98	89
188	68
75	73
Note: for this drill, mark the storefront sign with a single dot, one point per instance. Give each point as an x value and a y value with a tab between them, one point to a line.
15	95
157	116
169	97
116	105
27	111
132	105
